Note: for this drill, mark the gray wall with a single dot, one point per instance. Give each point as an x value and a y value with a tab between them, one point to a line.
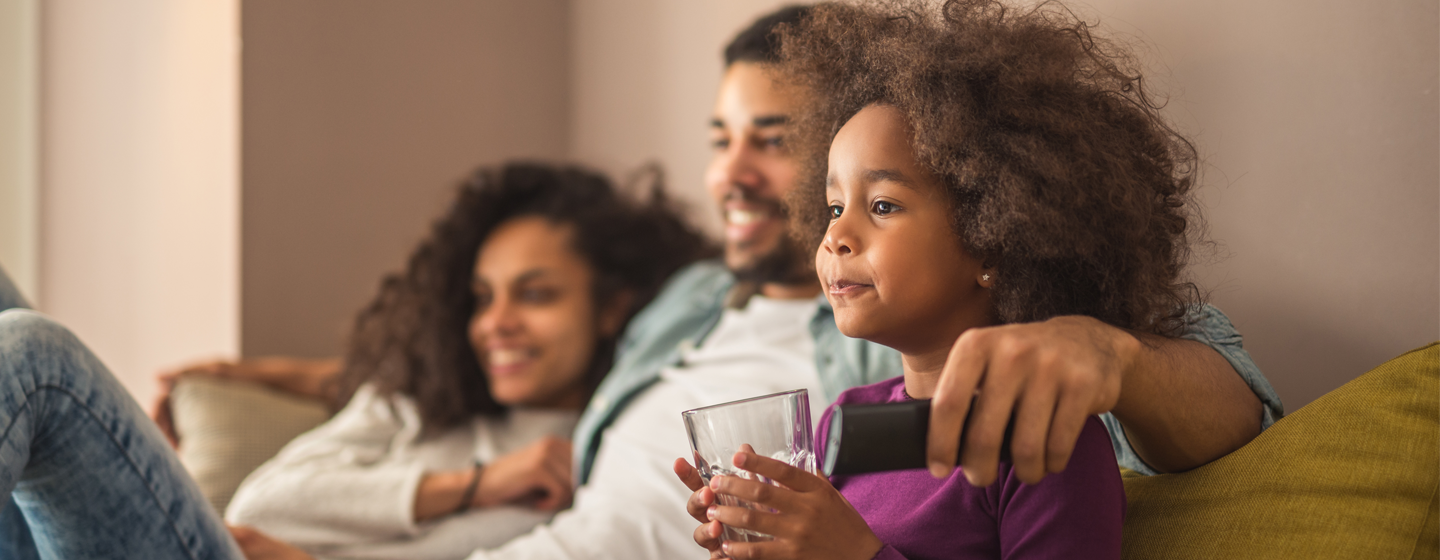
360	117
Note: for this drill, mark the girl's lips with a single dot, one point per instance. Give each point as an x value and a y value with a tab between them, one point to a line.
847	288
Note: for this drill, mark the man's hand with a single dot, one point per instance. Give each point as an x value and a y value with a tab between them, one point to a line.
810	518
1050	375
259	546
306	378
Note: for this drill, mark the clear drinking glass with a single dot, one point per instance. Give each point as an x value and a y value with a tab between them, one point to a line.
776	426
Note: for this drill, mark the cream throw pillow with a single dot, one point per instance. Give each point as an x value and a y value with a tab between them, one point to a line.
228	428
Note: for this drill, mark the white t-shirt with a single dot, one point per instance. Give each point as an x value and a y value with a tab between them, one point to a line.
633	507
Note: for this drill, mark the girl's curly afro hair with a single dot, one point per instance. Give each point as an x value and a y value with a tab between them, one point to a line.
1058	167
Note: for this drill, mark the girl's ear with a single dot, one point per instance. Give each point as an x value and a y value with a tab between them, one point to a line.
612	315
987	278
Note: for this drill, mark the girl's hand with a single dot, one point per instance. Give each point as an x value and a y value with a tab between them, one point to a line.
812	521
707	535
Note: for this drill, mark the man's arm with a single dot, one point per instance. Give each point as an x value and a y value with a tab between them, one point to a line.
1180	402
1183	405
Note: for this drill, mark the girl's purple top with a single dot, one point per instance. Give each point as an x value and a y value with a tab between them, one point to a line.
1073	514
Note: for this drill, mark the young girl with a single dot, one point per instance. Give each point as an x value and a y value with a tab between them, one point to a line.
968	166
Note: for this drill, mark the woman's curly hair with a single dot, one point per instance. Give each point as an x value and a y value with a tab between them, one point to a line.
412	338
1058	167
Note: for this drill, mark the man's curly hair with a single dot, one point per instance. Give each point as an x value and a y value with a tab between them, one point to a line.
1060	172
412	339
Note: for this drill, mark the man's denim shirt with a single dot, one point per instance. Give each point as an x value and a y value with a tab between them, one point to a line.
691	304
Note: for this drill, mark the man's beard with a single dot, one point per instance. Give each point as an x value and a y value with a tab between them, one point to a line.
785	265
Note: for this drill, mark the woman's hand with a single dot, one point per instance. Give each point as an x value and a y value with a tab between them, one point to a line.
306	378
538	474
259	546
812	519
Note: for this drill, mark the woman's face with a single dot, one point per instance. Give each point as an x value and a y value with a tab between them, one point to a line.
535	325
890	262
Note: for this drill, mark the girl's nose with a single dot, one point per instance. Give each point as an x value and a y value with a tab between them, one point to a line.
839	238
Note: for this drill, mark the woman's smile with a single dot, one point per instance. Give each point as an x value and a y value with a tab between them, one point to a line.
508	361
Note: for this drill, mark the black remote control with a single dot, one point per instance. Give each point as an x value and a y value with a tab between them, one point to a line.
866	438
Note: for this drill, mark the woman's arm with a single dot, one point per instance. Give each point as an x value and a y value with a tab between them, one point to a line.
538	474
339	483
297	376
343	483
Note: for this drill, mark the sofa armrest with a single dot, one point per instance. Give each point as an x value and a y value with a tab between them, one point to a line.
1351	475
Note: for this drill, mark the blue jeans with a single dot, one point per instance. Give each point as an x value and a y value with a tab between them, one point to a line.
89	475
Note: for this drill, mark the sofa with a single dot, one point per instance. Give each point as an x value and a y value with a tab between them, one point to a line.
1354	474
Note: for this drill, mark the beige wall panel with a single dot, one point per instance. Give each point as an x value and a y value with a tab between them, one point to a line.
139	165
360	119
19	144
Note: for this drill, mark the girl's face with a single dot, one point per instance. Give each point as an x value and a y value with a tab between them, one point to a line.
536	324
891	263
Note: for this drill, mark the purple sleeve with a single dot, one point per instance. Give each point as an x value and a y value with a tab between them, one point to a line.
1077	513
888	553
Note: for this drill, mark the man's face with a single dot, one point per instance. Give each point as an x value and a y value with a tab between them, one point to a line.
750	171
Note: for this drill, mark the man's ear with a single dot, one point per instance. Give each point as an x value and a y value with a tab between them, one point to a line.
612	313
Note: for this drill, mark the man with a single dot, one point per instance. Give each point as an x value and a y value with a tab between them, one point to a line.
758	324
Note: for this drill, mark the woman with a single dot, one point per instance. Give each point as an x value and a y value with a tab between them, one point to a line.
470	367
466	375
968	165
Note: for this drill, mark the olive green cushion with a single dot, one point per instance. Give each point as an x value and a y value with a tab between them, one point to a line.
1352	475
228	428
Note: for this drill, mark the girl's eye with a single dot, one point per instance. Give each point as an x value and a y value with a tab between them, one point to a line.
834	211
882	208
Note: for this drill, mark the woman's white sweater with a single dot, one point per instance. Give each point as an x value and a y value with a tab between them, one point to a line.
347	488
